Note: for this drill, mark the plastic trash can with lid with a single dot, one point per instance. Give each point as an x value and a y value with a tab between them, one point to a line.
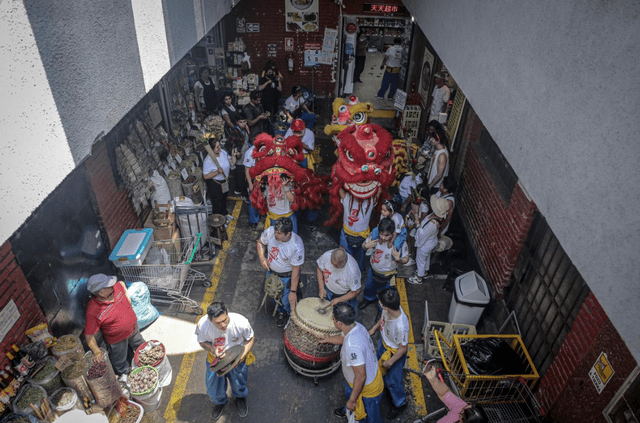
470	297
132	248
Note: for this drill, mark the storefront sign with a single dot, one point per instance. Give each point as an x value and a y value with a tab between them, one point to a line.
240	25
601	372
288	44
400	100
385	9
302	15
455	116
8	317
253	27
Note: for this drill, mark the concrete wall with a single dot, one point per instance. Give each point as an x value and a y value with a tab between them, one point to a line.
556	84
72	70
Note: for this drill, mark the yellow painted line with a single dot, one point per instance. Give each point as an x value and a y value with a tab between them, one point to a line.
412	358
383	113
179	387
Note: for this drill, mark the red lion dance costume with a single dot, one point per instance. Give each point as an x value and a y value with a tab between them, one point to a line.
275	157
364	167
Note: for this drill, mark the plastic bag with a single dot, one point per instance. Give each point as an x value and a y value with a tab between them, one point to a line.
162	194
36	350
141	303
19	417
490	357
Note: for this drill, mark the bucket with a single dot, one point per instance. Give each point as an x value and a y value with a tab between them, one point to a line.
101	379
150	403
162	365
191	189
46	375
150	392
65	399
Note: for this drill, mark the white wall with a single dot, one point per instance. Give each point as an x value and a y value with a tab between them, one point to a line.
70	70
557	84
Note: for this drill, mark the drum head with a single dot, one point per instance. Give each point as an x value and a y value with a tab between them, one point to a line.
217	220
307	312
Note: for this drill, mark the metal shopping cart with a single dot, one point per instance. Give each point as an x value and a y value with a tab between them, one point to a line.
505	398
167	272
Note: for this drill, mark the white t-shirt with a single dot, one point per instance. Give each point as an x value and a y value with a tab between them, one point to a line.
427	233
399	221
238	331
292	105
356	214
440	96
395	56
357	349
249	161
407	183
434	166
395	332
282	255
209	166
423	208
340	281
382	261
308	139
278	205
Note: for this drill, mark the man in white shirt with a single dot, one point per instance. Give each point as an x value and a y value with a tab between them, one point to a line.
393	61
392	348
364	383
440	97
296	107
439	167
384	261
338	277
217	332
285	255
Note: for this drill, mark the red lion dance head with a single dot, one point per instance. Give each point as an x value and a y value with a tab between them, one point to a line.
364	167
279	158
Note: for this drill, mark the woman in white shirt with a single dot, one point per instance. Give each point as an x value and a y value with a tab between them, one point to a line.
215	171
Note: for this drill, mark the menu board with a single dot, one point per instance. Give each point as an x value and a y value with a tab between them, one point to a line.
301	15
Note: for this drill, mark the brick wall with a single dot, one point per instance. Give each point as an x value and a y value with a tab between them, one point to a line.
114	206
14	286
566	390
497	230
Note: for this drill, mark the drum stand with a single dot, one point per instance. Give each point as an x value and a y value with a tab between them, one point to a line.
314	373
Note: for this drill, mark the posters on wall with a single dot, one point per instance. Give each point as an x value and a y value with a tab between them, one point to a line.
425	77
301	15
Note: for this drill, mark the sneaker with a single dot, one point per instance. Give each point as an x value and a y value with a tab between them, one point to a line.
243	409
253	226
245	199
415	280
312	227
339	412
411	262
229	218
236	193
379	98
217	411
123	378
395	411
283	318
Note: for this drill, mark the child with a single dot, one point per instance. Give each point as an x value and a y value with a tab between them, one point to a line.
410	182
400	233
427	237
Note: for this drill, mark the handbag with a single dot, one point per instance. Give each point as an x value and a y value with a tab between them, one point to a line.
225	184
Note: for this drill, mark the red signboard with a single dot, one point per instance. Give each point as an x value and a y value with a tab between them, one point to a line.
385	9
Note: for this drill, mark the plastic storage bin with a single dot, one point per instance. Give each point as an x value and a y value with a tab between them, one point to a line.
132	248
470	297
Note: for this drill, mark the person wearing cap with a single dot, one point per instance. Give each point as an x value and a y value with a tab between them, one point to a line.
427	237
296	107
440	97
217	333
393	61
257	119
109	311
299	129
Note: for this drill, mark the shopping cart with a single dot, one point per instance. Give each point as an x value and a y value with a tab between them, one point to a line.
167	272
505	398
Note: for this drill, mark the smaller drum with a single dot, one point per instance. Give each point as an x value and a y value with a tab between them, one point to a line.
306	328
218	230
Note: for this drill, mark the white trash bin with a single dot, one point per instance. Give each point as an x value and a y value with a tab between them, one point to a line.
470	297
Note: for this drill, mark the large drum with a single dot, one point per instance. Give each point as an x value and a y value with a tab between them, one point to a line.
308	325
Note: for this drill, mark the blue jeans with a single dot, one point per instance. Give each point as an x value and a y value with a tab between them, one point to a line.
393	378
371	287
294	220
309	119
371	406
353	301
400	239
254	215
285	307
389	79
353	246
217	386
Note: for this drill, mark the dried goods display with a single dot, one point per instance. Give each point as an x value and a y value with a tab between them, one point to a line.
73	371
143	379
96	370
66	342
152	356
63	398
130	414
31	395
101	379
214	125
46	375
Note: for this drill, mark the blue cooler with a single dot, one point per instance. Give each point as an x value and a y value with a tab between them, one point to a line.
132	248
